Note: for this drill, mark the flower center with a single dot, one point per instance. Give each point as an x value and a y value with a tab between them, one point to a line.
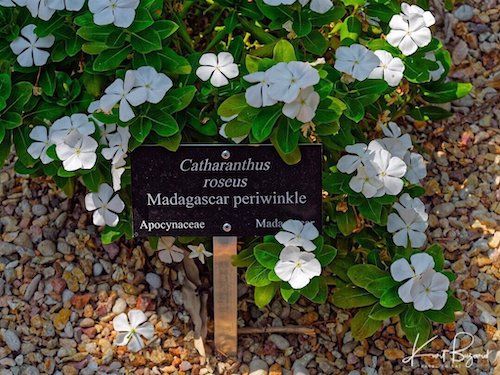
78	151
298	264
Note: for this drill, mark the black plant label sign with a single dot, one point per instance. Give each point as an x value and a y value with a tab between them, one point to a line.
217	190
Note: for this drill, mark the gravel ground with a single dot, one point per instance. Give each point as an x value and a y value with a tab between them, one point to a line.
60	287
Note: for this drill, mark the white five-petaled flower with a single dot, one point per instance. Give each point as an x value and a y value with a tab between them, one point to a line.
219	69
77	152
408	227
296	233
153	83
63	127
106	206
402	270
406	202
169	253
389	169
29	47
303	108
12	3
430	291
366	182
117	145
117	169
121	13
122	91
40	9
38	150
390	69
395	142
350	162
258	95
408	33
107	131
132	329
318	6
412	10
297	267
416	167
356	60
199	252
287	79
72	5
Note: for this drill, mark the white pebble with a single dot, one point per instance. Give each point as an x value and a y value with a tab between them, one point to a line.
153	280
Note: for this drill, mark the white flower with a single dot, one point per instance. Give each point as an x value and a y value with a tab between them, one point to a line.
304	107
349	163
406	202
318	6
356	60
77	152
222	129
169	252
297	267
131	330
38	150
390	69
298	234
118	144
122	91
416	167
279	2
67	125
28	47
155	84
72	5
199	252
106	206
287	79
117	169
407	225
402	270
40	9
389	169
409	11
408	33
258	95
438	73
121	13
430	291
396	143
218	68
107	131
12	3
366	182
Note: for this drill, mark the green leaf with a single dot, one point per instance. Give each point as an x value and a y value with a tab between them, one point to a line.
236	128
289	295
364	274
146	41
10	120
428	113
287	138
349	297
170	143
244	258
5	86
110	59
184	96
141	127
22	142
264	122
416	326
322	294
355	109
48	81
283	51
326	255
232	106
350	30
142	20
256	275
378	312
95	33
5	147
362	326
446	92
371	209
252	63
172	63
390	298
315	43
166	125
92	180
436	251
21	94
264	294
311	290
346	221
267	254
165	28
301	24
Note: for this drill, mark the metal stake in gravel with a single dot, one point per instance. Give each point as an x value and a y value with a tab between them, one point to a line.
223	191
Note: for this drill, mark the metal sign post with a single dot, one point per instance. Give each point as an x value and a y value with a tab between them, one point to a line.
225	296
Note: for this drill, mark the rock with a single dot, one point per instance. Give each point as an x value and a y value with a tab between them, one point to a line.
87	323
6	248
119	306
258	367
464	13
393	354
275	369
97	269
153	280
32	287
47	248
39	210
460	52
487	318
12	340
444	209
61	318
185	366
469	327
280	342
299	369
